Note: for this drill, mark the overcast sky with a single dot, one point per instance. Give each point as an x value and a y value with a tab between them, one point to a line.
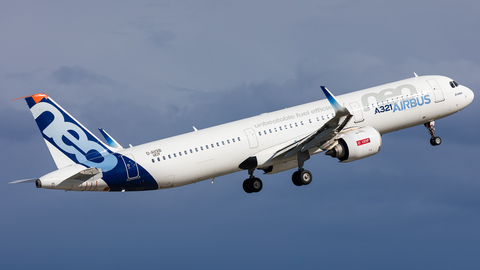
146	70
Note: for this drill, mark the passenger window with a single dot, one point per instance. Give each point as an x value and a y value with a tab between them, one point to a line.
169	156
223	143
212	145
180	153
174	155
238	138
233	140
301	122
228	141
265	132
270	130
206	146
296	125
196	149
259	133
201	148
153	160
275	129
218	144
164	158
191	151
310	120
280	128
158	158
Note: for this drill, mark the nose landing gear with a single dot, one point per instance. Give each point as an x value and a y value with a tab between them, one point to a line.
434	140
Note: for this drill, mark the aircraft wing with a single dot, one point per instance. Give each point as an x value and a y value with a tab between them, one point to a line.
321	136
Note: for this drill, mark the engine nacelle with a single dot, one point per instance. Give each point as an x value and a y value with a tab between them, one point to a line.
357	144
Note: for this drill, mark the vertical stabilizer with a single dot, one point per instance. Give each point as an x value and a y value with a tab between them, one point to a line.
68	141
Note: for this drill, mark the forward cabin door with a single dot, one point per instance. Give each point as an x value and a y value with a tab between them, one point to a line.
437	91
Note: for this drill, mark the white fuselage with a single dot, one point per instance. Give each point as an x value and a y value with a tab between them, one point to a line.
216	151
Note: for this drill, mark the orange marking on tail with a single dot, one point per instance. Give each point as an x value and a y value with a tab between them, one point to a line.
37	97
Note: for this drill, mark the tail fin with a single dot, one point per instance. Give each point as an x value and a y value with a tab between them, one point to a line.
67	140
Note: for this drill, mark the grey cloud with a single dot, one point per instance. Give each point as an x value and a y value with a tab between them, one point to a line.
161	38
79	76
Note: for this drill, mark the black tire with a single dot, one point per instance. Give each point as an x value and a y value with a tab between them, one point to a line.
305	177
296	178
247	186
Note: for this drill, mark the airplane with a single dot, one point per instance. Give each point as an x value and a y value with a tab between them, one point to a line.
348	127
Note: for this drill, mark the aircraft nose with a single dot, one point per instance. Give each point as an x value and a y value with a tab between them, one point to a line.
469	96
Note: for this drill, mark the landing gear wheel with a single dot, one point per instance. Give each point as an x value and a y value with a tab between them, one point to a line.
431	130
246	187
305	177
256	184
252	185
435	141
302	178
296	178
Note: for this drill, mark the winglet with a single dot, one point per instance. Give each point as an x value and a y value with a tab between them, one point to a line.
110	140
339	110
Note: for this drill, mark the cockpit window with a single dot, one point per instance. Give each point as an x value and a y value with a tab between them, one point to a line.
453	84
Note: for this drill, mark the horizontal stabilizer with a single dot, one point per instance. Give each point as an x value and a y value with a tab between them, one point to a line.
24	181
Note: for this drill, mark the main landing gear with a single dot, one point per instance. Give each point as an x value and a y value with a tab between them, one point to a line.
435	140
302	177
252	184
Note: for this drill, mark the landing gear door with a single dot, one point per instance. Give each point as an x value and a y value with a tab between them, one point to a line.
131	167
437	91
252	138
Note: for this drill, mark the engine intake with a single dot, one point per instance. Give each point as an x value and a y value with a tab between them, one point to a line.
357	144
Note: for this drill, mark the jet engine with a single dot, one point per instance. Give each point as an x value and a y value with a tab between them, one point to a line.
357	144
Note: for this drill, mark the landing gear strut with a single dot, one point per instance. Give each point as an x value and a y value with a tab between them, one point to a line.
252	184
435	140
302	177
